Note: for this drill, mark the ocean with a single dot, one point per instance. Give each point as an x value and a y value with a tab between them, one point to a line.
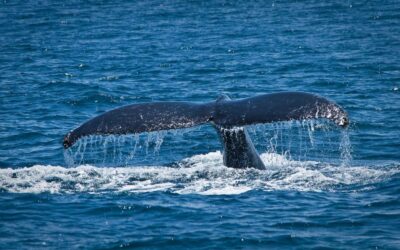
64	62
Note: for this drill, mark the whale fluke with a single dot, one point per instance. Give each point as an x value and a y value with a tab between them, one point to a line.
282	106
146	117
224	114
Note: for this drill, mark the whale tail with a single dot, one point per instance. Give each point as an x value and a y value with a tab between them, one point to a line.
146	117
226	113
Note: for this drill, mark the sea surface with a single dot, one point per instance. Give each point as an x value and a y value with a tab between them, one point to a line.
64	62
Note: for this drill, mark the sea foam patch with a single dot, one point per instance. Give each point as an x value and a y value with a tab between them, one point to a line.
200	174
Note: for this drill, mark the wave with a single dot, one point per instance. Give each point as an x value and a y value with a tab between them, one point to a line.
201	174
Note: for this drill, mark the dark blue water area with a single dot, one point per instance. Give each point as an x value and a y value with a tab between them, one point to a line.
254	219
63	62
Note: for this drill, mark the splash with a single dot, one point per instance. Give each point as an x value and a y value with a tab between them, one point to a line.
200	174
296	156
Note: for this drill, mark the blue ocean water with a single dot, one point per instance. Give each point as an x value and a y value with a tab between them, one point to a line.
63	62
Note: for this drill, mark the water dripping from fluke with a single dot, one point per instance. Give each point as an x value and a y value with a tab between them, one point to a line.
345	148
315	140
114	150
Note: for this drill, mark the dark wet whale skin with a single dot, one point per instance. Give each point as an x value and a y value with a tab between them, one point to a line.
239	150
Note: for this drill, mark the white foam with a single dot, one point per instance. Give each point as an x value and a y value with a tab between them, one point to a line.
200	174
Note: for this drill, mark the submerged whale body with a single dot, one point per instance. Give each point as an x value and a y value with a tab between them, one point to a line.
227	116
